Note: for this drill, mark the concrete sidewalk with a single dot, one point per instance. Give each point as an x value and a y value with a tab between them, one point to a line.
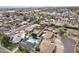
4	50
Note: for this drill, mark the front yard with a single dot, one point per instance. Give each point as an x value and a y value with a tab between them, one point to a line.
4	41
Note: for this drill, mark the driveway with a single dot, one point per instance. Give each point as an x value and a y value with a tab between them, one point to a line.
59	45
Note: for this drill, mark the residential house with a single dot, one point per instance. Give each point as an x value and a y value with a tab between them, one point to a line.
47	33
29	43
46	46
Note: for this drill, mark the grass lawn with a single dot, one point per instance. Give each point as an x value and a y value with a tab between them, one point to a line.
4	41
11	47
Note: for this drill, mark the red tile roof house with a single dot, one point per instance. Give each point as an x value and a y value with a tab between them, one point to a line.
46	46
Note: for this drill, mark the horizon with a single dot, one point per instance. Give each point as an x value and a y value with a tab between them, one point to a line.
38	6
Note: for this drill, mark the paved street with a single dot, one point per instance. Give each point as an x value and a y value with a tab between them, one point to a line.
69	44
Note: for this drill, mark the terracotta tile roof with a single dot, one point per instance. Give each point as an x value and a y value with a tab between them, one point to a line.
46	46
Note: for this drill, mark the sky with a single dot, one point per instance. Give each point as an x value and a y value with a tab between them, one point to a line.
39	3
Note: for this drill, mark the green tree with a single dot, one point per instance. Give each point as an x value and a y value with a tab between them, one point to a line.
37	49
61	31
77	13
23	50
77	49
5	42
4	39
34	35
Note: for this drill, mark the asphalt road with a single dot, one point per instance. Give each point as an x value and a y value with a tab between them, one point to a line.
69	44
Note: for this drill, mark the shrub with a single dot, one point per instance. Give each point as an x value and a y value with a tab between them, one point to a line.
23	50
